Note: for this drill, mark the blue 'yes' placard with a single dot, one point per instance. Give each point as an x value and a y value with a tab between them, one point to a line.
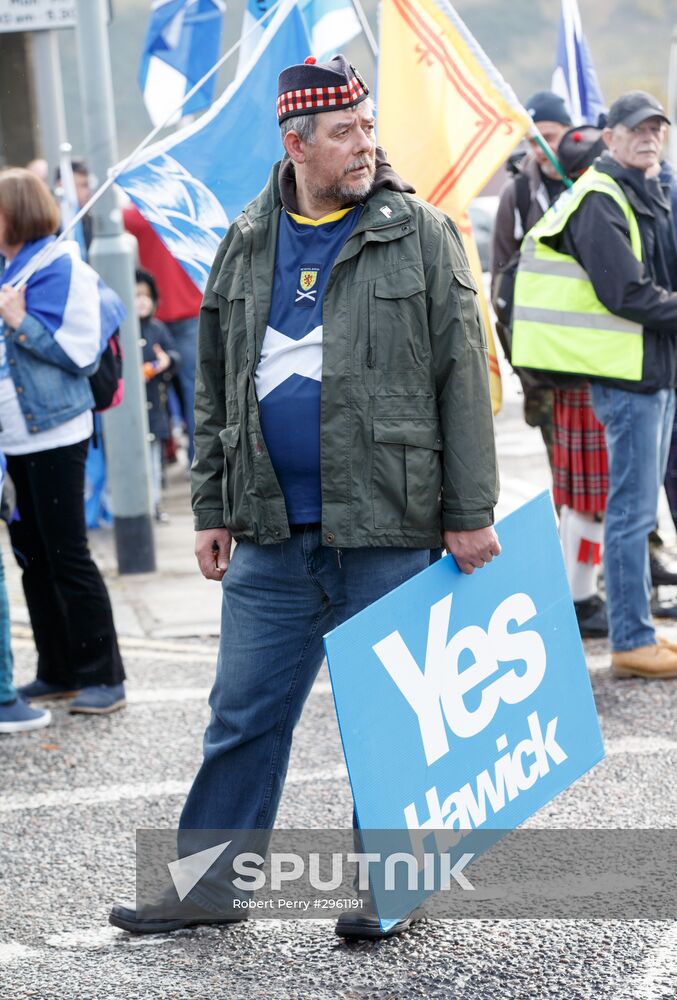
464	701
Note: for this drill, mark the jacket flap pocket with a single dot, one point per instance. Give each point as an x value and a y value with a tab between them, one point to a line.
408	431
464	276
400	284
230	285
230	436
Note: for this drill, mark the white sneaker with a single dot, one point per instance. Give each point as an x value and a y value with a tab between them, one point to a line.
18	717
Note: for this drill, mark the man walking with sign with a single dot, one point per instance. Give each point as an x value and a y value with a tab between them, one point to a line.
343	427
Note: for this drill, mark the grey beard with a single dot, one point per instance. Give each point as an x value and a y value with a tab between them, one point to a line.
344	193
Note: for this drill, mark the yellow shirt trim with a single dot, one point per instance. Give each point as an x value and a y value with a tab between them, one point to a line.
332	217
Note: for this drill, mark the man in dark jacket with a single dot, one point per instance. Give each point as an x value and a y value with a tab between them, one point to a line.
343	427
637	415
524	199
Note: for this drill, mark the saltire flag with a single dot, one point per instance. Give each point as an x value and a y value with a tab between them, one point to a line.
330	25
574	78
191	184
78	311
464	120
182	43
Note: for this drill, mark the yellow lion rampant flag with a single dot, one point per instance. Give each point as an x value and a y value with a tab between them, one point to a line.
446	117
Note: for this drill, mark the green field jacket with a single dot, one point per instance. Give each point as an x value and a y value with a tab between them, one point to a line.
406	439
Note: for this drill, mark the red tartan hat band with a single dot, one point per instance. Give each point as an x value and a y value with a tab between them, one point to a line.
312	87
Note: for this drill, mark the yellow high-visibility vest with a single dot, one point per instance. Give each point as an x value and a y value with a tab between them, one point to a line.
559	324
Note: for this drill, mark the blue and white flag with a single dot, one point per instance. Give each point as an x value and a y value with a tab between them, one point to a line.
182	43
574	78
330	25
69	299
191	184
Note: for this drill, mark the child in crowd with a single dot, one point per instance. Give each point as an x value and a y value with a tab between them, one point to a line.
160	360
16	716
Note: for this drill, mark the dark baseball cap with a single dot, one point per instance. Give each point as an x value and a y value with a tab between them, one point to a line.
546	106
634	107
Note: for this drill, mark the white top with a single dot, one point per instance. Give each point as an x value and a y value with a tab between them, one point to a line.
16	439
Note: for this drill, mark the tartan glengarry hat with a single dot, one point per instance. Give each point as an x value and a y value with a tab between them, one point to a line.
311	87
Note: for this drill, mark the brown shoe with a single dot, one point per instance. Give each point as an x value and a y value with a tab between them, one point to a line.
652	662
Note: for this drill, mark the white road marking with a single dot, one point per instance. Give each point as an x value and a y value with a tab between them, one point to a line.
98	795
152	696
658	974
152	649
155	696
97	938
13	952
640	745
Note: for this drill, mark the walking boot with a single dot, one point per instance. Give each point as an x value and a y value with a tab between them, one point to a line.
363	924
591	617
657	662
39	690
661	574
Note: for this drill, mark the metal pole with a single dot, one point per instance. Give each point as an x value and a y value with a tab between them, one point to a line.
112	255
672	97
49	94
366	28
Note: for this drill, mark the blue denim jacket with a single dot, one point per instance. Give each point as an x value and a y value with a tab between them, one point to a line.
51	389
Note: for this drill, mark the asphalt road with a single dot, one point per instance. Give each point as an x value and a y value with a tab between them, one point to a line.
73	795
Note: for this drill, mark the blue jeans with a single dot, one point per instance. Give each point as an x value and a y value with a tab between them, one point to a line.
638	429
184	332
278	602
7	689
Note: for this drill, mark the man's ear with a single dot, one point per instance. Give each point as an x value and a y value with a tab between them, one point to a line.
607	135
295	147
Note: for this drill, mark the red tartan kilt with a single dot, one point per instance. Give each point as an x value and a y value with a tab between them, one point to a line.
580	469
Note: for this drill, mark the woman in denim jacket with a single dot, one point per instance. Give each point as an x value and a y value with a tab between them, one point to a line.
53	330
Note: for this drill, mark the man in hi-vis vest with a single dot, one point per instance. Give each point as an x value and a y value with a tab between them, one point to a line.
596	294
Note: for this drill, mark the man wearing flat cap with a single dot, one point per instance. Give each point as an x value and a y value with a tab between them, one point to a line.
616	323
343	430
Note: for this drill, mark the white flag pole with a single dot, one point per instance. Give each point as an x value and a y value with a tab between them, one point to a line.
366	28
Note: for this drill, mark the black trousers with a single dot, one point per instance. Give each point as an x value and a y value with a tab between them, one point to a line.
67	600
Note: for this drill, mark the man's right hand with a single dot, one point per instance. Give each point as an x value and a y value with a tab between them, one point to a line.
212	551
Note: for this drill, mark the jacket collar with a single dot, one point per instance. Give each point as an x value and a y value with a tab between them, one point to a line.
384	209
631	180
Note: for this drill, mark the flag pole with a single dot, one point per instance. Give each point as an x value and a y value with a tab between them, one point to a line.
366	28
114	172
535	134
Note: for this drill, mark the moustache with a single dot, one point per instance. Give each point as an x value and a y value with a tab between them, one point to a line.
364	161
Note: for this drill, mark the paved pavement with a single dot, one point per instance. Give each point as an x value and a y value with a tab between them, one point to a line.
73	795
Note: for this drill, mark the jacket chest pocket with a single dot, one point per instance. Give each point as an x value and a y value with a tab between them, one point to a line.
398	323
406	473
229	289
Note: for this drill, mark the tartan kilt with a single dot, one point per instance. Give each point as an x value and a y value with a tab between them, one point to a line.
580	468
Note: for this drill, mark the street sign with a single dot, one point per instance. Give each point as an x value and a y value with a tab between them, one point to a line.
464	702
36	15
